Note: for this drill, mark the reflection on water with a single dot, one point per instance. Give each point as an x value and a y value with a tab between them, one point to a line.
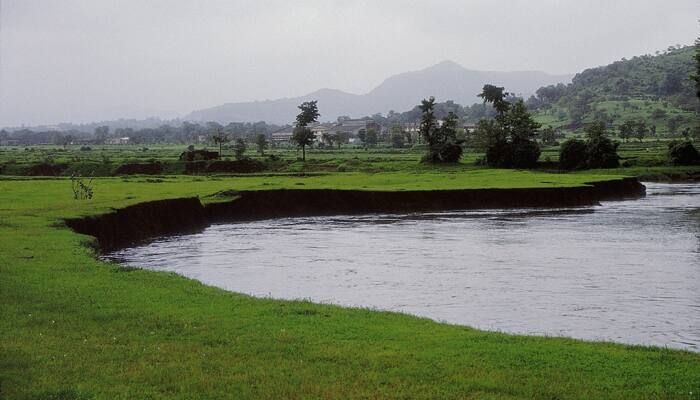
624	271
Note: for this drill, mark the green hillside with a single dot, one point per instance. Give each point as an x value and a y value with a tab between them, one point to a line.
656	89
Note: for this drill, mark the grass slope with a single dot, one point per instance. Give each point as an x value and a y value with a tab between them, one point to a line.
73	327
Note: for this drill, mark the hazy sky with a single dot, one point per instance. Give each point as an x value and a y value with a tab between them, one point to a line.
89	60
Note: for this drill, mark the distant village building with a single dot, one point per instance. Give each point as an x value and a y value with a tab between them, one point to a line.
469	128
353	126
119	140
283	135
9	142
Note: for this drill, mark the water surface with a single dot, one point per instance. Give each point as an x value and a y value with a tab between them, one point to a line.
625	271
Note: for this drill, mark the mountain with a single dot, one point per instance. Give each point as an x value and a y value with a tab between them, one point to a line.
446	81
656	89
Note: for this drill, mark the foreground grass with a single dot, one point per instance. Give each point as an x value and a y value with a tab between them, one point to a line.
74	327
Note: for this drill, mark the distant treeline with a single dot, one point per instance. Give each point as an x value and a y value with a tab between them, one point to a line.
182	132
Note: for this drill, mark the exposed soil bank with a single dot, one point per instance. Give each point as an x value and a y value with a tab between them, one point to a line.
145	220
142	221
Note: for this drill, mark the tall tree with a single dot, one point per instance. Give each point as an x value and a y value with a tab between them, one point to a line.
696	77
428	123
497	97
521	124
239	149
303	136
441	141
220	138
308	113
261	143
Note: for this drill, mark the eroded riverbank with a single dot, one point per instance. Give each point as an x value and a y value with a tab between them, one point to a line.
155	218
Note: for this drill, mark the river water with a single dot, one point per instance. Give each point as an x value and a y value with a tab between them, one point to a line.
626	271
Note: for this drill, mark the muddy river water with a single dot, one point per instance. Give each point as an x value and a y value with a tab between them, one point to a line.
626	271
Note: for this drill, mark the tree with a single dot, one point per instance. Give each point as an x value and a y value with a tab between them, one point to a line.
573	154
371	138
302	135
441	141
600	150
672	124
522	126
683	153
641	130
220	138
261	143
428	122
497	97
362	135
341	137
548	136
626	129
696	76
512	143
239	149
309	113
396	136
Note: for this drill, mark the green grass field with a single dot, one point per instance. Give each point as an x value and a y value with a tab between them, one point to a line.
73	327
104	160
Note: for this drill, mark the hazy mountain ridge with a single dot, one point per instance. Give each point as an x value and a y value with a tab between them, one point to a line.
446	81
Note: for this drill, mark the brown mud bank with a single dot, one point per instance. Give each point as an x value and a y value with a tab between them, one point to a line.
142	221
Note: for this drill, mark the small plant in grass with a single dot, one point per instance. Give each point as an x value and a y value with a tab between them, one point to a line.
82	189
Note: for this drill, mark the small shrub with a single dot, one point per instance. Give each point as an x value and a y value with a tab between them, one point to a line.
573	154
683	153
82	190
445	153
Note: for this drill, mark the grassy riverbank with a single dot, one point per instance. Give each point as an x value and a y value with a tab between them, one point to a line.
74	327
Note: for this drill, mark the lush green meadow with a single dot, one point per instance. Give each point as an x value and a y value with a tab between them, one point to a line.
74	327
648	155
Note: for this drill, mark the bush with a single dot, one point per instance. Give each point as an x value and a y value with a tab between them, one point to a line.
573	154
446	153
526	154
499	154
683	153
199	155
504	154
602	153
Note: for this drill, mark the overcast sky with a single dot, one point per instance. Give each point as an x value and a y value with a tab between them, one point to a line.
90	60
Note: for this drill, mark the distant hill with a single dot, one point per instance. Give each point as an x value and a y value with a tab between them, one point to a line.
653	88
446	81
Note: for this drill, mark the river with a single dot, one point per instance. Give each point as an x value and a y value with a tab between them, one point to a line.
624	271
